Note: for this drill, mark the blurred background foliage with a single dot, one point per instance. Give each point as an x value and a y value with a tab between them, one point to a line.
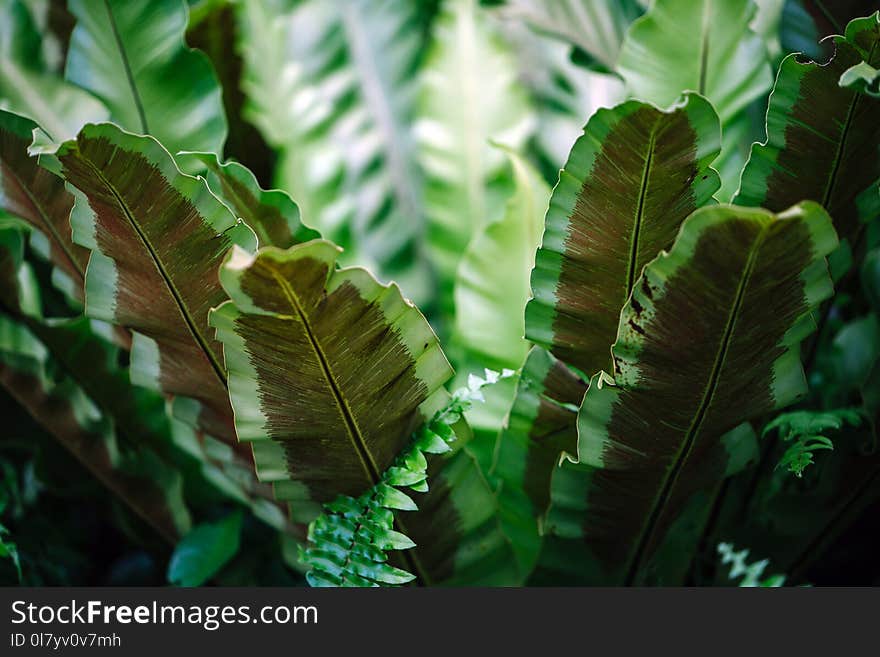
424	138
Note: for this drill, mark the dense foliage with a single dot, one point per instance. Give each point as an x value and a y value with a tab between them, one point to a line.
385	292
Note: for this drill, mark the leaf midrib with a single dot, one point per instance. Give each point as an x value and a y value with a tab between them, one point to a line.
704	48
136	97
684	450
835	25
378	99
33	99
56	236
218	368
473	137
242	207
354	432
835	165
640	213
838	155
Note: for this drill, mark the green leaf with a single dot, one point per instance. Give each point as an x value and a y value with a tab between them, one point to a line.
823	140
564	94
806	22
392	498
704	46
862	77
458	529
29	87
123	434
854	349
133	470
157	238
131	54
485	420
138	415
13	294
629	183
799	455
709	339
802	429
333	88
434	444
9	550
542	424
204	551
492	283
793	521
739	134
469	96
30	192
767	23
595	26
364	363
214	29
277	95
272	214
797	423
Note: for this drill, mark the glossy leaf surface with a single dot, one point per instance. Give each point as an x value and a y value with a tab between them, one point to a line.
131	54
740	283
329	371
629	183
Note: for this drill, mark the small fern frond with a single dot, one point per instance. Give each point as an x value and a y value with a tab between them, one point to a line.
348	544
751	573
9	550
805	430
